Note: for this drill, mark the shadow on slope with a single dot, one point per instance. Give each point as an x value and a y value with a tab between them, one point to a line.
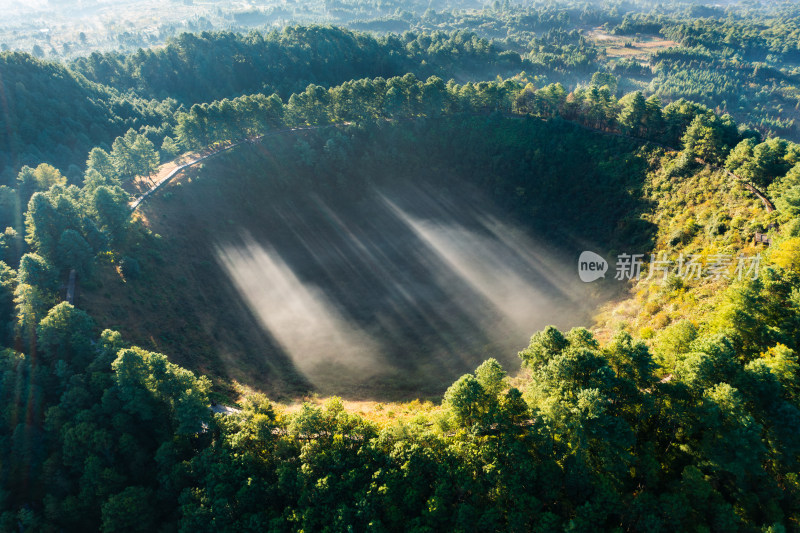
282	279
404	290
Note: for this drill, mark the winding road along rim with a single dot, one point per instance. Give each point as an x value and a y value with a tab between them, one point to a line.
136	203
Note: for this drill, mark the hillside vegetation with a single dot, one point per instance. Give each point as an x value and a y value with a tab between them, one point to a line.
212	66
738	60
56	113
53	115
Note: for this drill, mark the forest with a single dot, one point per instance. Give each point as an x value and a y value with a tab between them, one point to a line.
361	311
672	52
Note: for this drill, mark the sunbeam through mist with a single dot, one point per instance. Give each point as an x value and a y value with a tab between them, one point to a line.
520	291
304	322
407	288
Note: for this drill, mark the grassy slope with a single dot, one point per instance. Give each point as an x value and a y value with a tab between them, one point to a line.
704	213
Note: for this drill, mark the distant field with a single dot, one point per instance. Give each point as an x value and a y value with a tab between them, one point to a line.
640	47
65	30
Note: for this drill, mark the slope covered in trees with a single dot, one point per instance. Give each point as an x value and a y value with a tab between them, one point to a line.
107	436
54	113
212	66
737	58
740	61
588	438
51	114
523	182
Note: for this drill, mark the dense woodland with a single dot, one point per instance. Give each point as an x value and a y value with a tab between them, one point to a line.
740	61
50	114
210	66
684	420
142	91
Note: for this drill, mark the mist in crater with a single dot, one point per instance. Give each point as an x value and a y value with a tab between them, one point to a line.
407	288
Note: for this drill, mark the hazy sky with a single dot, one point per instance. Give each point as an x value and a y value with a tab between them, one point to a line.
33	4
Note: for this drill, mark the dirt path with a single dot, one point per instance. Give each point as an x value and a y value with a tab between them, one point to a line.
70	296
767	203
171	169
141	184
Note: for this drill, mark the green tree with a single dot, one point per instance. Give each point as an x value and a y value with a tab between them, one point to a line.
41	178
782	362
678	115
632	116
36	271
44	224
468	400
74	252
672	341
133	154
184	398
100	161
31	304
705	138
491	376
110	208
543	346
631	360
8	282
605	79
759	163
11	245
66	333
145	156
130	510
654	118
190	129
92	179
170	148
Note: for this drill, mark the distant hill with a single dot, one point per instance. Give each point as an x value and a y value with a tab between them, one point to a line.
55	113
195	68
48	113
